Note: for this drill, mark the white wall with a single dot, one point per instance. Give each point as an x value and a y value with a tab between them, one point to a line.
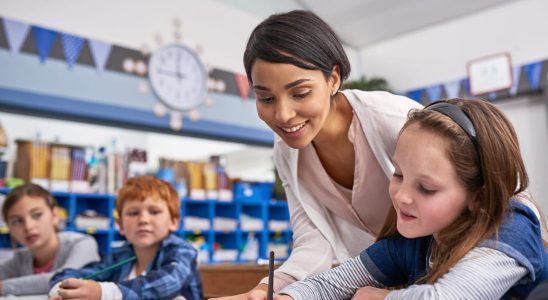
439	54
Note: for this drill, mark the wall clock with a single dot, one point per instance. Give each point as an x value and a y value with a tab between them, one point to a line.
178	77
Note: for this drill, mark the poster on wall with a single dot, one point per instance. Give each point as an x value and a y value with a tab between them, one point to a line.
490	74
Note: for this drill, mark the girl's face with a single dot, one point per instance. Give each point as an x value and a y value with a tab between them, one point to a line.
32	222
425	189
294	102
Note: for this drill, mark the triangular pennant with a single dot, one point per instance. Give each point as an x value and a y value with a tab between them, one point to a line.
533	71
466	87
243	85
16	33
44	40
434	92
516	72
452	89
72	46
415	95
100	51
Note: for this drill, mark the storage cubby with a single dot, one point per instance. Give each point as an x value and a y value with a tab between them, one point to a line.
241	223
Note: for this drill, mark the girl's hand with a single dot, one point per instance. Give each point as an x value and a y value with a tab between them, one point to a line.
370	293
79	289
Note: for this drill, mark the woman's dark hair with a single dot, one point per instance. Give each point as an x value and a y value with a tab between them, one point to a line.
299	38
27	189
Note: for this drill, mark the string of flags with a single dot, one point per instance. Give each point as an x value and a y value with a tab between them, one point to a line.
528	78
18	32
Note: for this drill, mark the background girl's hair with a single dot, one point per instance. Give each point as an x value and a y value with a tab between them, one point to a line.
27	189
299	38
495	172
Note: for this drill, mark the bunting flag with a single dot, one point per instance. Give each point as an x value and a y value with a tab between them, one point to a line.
415	95
466	87
434	92
533	71
16	33
100	51
452	89
492	96
72	47
44	40
243	85
516	72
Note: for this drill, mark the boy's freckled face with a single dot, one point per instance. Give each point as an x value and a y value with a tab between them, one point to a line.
146	223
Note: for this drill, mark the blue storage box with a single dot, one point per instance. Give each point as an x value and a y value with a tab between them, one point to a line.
252	191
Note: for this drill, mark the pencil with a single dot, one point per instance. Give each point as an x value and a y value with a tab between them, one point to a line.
114	266
270	294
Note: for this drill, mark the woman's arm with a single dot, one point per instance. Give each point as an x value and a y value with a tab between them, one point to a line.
483	273
312	252
341	282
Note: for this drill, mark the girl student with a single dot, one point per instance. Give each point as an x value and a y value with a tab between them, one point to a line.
30	213
464	226
334	147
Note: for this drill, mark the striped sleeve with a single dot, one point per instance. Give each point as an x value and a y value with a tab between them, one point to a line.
338	283
483	273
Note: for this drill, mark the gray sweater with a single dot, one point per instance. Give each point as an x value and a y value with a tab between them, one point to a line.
75	250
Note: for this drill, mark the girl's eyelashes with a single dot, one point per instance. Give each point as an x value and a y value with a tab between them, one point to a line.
397	175
36	216
426	191
15	222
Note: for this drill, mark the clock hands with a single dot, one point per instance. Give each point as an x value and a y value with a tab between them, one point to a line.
175	74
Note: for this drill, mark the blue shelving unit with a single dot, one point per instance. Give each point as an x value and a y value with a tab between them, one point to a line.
255	203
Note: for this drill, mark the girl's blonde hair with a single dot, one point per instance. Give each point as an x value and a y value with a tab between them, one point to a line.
494	170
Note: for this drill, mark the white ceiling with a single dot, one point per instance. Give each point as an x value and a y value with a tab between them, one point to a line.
360	23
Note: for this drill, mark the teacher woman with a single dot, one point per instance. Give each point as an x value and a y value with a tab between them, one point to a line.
334	149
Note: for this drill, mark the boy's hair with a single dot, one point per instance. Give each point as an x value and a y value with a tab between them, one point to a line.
30	190
299	38
139	188
494	170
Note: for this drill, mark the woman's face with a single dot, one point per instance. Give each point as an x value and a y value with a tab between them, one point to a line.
294	102
32	222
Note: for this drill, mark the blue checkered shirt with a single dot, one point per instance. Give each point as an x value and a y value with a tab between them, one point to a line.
173	272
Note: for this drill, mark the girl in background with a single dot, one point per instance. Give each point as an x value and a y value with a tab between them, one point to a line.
464	228
30	213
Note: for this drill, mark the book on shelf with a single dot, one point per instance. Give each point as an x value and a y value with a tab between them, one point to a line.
91	219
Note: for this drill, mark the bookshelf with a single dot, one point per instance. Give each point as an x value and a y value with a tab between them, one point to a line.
236	231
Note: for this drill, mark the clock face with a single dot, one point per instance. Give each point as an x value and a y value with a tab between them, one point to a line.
178	77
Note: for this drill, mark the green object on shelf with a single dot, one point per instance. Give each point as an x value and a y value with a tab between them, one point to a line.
114	266
14	182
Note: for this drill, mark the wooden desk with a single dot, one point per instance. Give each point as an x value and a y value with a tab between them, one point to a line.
230	279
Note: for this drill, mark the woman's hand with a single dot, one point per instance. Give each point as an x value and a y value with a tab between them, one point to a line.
258	293
79	289
370	293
